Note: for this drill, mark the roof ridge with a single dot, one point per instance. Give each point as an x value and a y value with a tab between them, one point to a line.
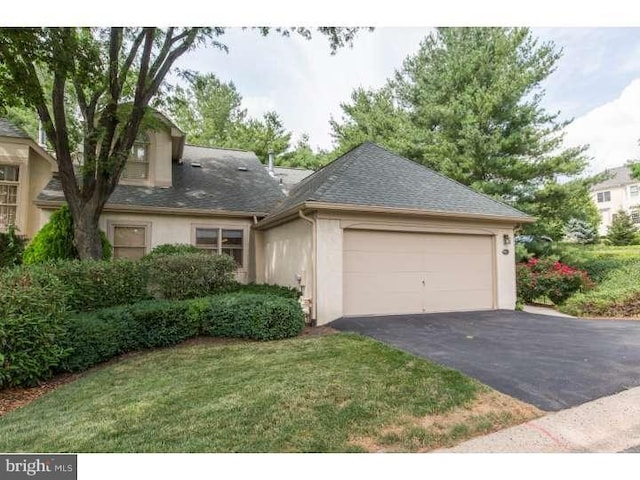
447	178
218	148
321	169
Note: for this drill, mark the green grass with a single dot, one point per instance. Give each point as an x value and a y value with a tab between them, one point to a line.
308	394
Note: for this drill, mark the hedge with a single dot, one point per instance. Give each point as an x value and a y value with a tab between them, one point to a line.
33	305
94	284
191	275
95	337
264	288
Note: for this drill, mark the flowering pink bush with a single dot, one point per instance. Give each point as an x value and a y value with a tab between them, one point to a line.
549	278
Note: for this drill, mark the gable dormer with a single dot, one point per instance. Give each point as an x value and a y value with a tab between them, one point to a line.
153	153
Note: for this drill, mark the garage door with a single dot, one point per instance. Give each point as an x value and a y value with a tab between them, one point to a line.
397	272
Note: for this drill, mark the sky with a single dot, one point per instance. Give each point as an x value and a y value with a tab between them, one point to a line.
596	82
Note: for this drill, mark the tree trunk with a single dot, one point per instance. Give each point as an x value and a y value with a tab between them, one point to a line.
87	235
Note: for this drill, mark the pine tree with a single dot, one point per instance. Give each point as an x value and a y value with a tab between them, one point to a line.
622	230
580	231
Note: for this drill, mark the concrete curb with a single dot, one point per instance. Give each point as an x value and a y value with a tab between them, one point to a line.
607	425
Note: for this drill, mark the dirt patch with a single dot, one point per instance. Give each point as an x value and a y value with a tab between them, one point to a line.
491	411
12	398
321	330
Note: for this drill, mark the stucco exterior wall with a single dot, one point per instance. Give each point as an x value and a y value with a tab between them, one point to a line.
159	151
39	175
160	158
163	229
287	256
34	173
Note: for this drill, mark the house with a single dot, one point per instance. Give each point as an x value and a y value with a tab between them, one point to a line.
619	192
371	233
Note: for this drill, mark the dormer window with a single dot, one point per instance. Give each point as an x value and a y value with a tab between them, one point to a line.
137	167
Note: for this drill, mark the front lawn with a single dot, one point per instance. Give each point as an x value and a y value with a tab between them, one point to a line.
331	393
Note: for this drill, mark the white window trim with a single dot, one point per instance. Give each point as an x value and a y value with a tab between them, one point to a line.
226	226
603	196
111	224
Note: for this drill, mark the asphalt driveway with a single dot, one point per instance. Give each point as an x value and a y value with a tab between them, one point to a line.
551	362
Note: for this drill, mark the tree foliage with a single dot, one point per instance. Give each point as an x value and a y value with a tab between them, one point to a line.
54	241
468	104
622	230
104	80
579	231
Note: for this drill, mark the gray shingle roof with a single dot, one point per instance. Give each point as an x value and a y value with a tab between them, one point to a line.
289	177
8	129
373	176
619	176
217	184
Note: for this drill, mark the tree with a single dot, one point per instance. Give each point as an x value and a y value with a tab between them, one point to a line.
303	156
211	114
262	136
374	116
207	109
54	240
112	76
622	231
580	231
468	104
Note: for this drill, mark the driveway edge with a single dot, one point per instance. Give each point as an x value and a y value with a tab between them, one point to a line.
606	425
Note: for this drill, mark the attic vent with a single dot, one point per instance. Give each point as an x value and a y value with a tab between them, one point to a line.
196	164
243	169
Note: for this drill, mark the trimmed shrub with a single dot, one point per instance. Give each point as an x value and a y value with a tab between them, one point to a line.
173	249
178	277
32	313
54	241
11	248
549	278
245	315
95	337
265	289
95	284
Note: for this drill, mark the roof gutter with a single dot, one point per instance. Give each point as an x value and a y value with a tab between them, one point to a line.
52	204
411	211
343	207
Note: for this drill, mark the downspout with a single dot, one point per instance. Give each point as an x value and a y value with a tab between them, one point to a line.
314	312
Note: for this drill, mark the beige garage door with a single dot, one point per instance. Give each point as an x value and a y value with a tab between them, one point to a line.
397	272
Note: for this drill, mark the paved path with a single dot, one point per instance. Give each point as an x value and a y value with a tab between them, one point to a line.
551	362
607	425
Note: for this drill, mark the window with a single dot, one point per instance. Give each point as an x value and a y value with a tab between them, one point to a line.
8	195
221	240
129	241
137	166
635	216
634	190
604	197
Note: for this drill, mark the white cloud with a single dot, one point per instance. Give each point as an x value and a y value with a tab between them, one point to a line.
611	130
